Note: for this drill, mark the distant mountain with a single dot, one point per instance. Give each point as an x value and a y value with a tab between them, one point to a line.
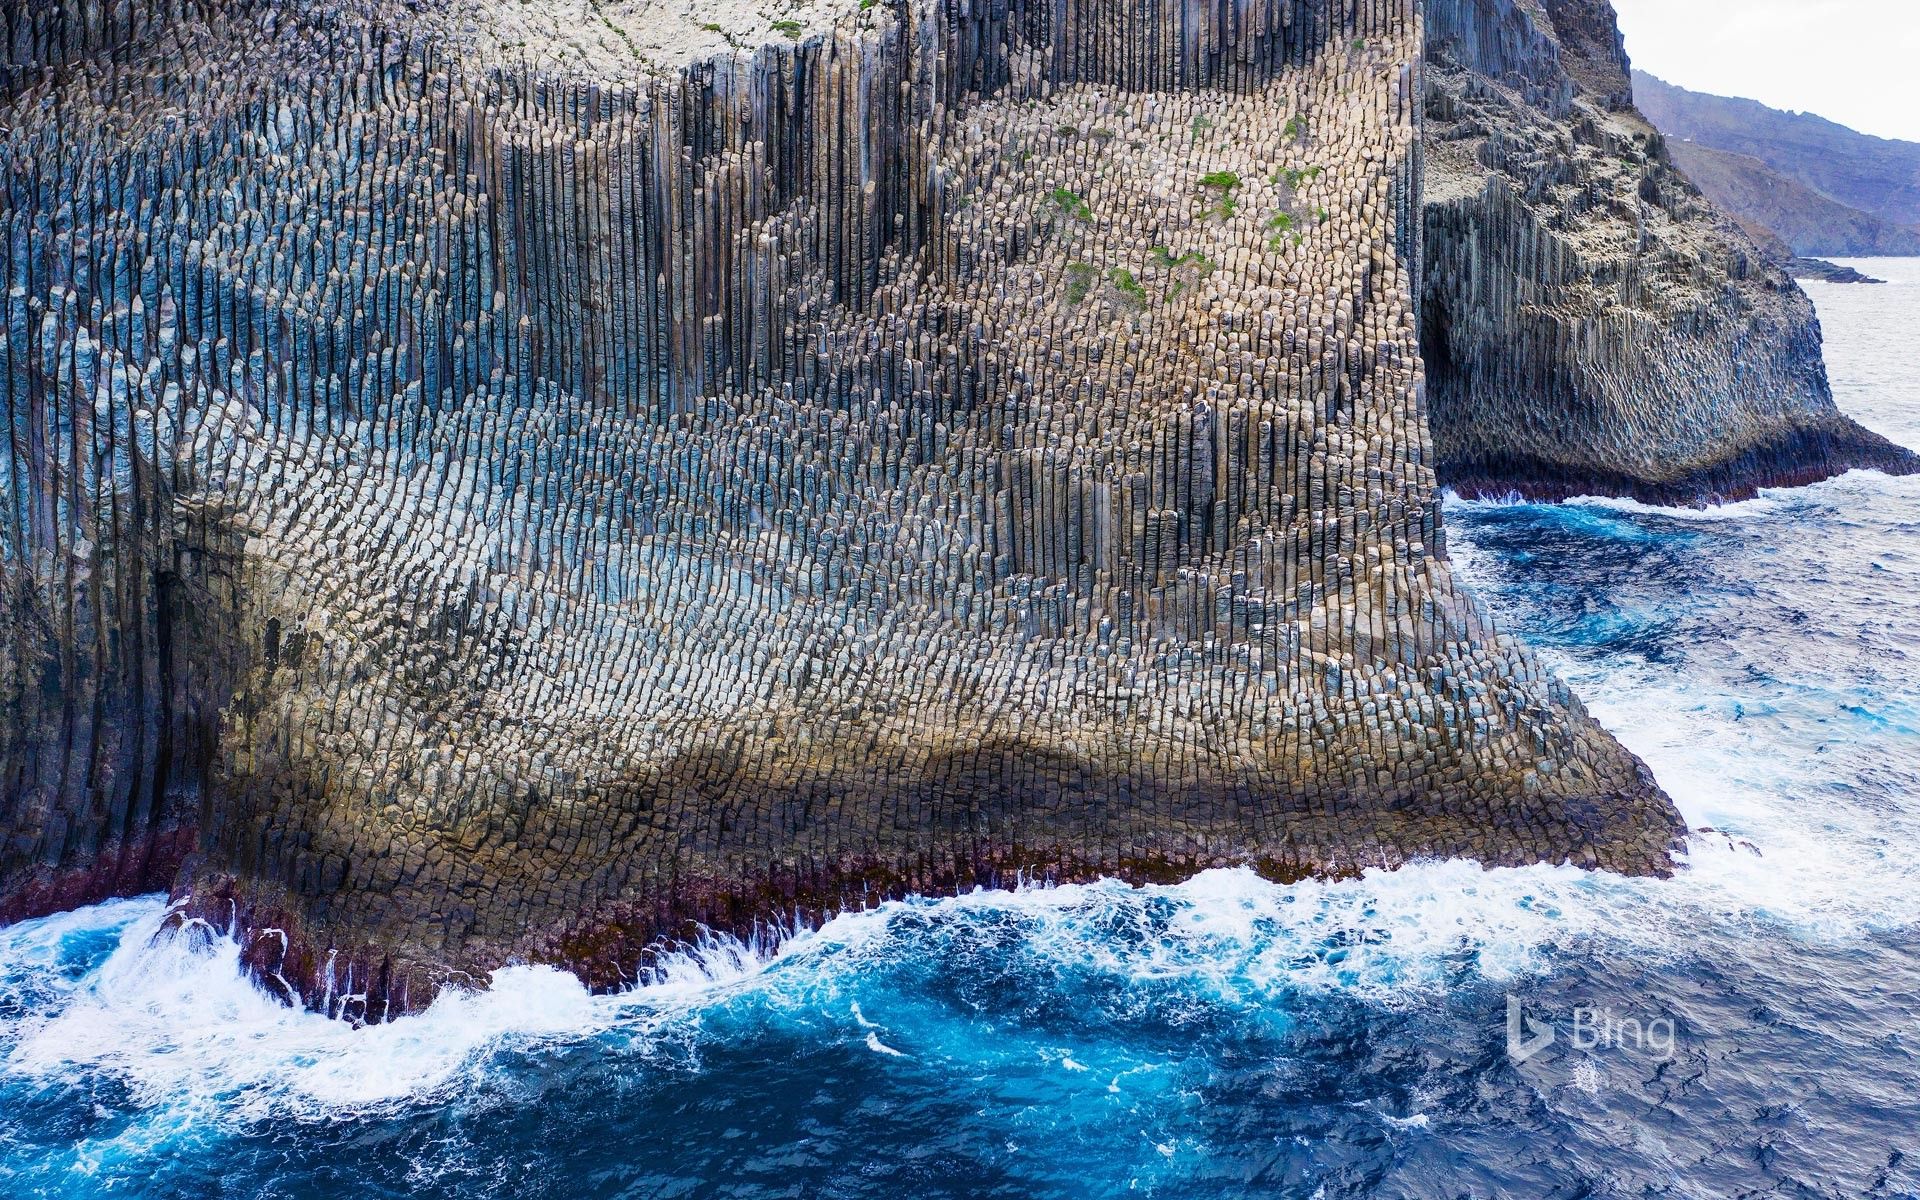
1820	187
1774	206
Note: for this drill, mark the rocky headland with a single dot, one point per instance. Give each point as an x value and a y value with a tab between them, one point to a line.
481	491
1827	272
1591	323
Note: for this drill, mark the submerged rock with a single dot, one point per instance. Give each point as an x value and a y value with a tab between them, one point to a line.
495	515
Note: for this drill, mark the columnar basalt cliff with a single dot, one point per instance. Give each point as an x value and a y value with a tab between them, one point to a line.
487	514
1590	323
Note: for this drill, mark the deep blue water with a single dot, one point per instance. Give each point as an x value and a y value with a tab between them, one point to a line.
1226	1037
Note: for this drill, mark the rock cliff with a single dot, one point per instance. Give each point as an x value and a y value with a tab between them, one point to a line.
1590	323
459	513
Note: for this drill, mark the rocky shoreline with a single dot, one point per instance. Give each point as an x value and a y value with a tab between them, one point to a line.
1797	459
499	516
1826	272
1591	324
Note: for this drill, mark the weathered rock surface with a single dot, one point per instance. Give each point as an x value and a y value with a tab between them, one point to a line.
1591	324
492	515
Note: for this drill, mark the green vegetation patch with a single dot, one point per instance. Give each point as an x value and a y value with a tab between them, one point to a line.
1129	287
1072	204
1223	183
1166	261
1080	280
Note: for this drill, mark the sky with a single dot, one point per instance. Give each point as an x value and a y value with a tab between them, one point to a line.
1852	61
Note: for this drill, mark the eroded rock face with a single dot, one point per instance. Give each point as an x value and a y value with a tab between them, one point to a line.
498	517
1591	324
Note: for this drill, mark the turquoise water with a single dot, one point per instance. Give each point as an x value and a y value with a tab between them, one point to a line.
1225	1037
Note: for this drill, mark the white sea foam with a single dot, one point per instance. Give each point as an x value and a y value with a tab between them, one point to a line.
1767	503
1842	491
171	1015
879	1047
173	1018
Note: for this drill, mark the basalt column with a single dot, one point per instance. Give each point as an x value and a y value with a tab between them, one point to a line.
1591	324
977	441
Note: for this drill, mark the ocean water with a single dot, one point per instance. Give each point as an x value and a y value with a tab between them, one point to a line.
1750	1027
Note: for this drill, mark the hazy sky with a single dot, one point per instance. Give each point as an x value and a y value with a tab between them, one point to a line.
1852	61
